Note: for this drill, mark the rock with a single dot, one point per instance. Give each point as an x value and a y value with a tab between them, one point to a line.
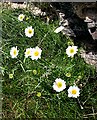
94	34
80	16
85	9
82	25
90	58
65	23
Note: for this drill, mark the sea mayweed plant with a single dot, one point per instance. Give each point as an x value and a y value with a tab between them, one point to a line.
41	68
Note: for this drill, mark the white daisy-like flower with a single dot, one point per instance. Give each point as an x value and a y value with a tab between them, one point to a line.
21	17
29	31
73	91
71	51
59	85
59	29
28	52
14	52
36	53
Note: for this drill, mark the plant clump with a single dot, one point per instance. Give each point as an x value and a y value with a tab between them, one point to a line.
41	69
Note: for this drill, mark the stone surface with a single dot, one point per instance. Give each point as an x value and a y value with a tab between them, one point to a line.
90	58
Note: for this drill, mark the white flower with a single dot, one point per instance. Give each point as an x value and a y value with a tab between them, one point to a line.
71	51
21	17
59	85
73	91
14	52
29	31
28	52
59	29
36	53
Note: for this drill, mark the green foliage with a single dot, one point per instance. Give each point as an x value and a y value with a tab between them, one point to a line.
31	76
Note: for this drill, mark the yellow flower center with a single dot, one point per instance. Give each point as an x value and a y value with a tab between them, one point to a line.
74	91
30	31
15	52
36	53
59	84
28	52
71	50
21	17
